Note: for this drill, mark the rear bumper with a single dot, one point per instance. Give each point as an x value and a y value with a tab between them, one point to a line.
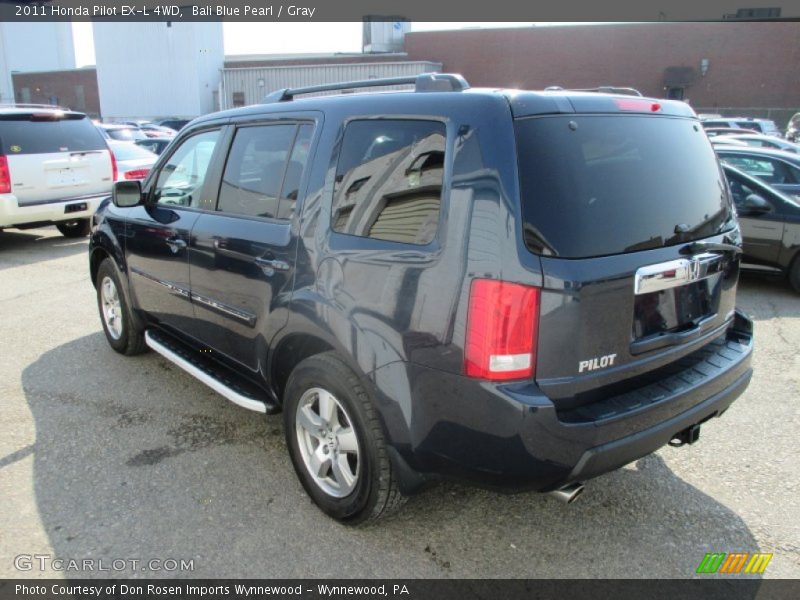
612	455
12	214
512	436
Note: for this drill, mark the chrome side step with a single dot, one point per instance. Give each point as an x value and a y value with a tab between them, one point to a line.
159	343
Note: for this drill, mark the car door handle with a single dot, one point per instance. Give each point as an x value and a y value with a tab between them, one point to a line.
175	244
275	265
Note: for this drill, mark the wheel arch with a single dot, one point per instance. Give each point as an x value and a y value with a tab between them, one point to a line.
290	351
103	246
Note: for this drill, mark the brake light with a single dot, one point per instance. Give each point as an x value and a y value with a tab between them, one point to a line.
502	329
5	176
635	104
136	174
114	172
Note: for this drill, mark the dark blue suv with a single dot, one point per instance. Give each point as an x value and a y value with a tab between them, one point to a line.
518	289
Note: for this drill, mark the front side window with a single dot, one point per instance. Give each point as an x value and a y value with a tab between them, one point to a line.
770	170
389	180
741	189
181	179
263	171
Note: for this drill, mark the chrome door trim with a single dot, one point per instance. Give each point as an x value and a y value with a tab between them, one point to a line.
244	316
172	287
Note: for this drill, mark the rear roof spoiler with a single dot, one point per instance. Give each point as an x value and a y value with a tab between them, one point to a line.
603	89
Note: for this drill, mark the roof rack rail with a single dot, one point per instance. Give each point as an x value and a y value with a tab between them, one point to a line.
603	89
426	82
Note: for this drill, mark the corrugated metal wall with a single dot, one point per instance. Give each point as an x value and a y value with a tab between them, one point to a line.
256	82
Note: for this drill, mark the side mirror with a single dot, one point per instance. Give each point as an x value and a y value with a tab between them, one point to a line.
755	205
126	193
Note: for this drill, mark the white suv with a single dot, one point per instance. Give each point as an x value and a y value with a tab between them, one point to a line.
55	168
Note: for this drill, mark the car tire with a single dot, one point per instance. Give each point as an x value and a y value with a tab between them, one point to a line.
358	485
74	229
794	274
124	331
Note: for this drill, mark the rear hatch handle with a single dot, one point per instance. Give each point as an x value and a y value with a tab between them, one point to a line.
696	330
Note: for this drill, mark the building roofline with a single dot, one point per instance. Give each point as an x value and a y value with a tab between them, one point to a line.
332	65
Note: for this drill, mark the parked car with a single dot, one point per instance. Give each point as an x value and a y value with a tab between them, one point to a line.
515	289
770	224
712	132
765	126
152	130
155	145
133	161
55	168
175	124
138	123
120	133
726	140
779	169
793	129
758	140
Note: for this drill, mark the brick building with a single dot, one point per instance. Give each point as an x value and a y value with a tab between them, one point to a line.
727	67
74	88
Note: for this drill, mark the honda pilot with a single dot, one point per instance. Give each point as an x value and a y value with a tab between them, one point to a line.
522	290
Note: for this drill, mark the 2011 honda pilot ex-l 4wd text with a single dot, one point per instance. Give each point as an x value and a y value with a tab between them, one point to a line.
518	289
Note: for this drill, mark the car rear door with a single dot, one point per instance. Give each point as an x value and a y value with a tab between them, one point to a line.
628	214
54	156
243	254
762	231
158	233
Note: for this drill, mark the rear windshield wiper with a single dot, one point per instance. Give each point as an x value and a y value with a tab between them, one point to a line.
706	246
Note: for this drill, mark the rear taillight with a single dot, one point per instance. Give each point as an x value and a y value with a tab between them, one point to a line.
114	172
5	176
136	174
502	325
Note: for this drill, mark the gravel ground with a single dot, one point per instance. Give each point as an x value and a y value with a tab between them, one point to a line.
108	457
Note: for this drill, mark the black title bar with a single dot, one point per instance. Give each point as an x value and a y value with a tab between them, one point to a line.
413	10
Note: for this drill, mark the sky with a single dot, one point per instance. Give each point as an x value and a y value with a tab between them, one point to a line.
282	38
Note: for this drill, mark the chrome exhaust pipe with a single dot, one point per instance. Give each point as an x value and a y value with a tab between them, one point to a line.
569	493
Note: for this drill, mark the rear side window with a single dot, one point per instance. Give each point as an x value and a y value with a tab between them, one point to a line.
602	185
131	152
389	180
294	171
46	136
752	125
263	171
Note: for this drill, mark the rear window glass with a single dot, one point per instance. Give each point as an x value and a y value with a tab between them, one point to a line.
601	185
24	136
